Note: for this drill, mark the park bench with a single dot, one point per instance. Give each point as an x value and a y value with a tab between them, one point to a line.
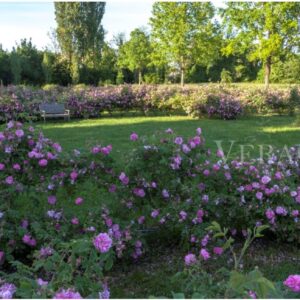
54	110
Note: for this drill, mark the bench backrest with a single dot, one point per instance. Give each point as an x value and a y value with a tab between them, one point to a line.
53	108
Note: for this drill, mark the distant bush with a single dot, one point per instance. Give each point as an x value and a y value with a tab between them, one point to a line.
217	101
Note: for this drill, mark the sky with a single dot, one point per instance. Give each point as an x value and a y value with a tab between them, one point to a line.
35	19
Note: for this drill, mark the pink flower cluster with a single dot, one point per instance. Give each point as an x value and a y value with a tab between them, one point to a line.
7	290
293	283
67	294
102	242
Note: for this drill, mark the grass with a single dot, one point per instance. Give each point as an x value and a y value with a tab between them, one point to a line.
277	131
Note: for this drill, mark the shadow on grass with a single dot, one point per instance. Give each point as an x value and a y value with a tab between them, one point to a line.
277	131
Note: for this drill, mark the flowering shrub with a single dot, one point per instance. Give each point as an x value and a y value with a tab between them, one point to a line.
66	218
60	241
22	103
221	106
175	182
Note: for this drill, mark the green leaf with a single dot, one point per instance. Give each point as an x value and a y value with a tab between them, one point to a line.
109	264
228	243
219	234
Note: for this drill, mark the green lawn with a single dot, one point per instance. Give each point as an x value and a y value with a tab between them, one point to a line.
256	130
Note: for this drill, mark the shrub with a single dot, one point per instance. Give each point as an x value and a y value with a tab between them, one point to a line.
21	103
66	218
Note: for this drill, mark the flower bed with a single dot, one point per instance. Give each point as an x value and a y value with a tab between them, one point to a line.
66	218
21	103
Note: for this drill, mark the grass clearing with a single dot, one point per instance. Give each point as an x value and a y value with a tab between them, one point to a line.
277	131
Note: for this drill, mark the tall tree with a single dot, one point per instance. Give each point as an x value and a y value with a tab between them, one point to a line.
80	33
15	66
184	33
5	71
135	54
47	65
266	31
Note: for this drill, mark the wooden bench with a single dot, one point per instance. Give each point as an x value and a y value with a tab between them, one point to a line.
54	110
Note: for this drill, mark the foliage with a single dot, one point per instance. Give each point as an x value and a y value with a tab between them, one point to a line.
135	53
80	33
183	33
52	212
265	31
224	102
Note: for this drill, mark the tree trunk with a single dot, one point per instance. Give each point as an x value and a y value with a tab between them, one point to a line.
267	72
140	77
182	77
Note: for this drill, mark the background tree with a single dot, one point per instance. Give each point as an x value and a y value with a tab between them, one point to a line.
135	54
30	59
47	65
108	64
184	34
15	66
266	31
80	33
5	70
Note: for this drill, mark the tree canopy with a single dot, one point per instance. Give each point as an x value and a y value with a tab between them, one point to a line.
265	31
184	33
135	53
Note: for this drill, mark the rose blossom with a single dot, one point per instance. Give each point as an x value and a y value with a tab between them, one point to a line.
102	242
134	136
105	294
41	282
205	254
155	213
218	250
265	179
141	219
139	192
281	211
9	180
19	133
78	201
43	162
178	140
190	259
67	294
123	178
7	290
52	199
293	282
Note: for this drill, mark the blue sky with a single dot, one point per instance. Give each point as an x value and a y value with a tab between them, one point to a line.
35	20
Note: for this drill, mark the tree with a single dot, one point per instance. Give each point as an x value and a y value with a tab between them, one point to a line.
15	66
5	72
108	64
30	60
266	31
183	34
80	33
135	54
47	65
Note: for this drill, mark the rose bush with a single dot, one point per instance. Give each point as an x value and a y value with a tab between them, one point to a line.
65	218
225	102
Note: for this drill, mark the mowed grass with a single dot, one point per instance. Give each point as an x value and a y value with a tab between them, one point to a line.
276	131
